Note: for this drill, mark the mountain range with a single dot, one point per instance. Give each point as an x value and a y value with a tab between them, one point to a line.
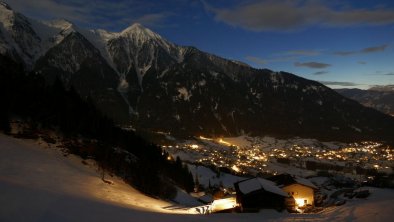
380	98
141	80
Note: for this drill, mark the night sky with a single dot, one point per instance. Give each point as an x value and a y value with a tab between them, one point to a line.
342	43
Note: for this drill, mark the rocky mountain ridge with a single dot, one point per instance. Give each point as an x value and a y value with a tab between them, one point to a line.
381	99
142	80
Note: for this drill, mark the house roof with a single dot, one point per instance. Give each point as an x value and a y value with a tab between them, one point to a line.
253	184
286	180
305	182
207	198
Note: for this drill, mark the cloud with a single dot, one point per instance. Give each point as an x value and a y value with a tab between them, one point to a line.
384	73
152	19
345	53
379	48
362	62
52	9
261	61
334	83
372	49
100	14
313	65
283	56
320	73
289	15
303	52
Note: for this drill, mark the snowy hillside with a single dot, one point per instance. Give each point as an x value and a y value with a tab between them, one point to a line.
40	184
36	179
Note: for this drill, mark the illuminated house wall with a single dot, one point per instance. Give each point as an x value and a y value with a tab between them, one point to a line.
301	189
303	195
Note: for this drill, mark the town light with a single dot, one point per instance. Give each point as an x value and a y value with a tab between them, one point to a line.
300	202
235	168
205	138
224	204
224	142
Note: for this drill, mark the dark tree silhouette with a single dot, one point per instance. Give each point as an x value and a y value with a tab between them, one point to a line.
123	153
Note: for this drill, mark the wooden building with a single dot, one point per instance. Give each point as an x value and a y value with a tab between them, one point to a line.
256	193
302	190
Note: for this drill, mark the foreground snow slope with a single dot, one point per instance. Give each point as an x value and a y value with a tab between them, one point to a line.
38	184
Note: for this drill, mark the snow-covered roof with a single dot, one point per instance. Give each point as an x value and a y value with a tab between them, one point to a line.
251	185
207	198
283	180
305	182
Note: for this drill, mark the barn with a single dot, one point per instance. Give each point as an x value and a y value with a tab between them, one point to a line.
256	193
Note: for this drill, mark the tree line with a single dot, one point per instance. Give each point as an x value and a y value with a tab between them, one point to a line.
28	97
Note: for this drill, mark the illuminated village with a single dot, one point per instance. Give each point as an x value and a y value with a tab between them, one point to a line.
286	164
260	156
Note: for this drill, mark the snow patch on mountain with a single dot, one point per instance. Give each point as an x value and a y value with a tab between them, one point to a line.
141	35
214	74
99	38
18	33
138	47
184	94
60	24
202	82
30	38
123	85
7	15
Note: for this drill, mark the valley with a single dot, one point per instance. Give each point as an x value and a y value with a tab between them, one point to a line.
50	186
104	119
266	156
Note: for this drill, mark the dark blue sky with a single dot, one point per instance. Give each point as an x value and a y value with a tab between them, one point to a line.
342	43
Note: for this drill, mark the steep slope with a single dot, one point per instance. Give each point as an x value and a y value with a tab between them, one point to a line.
135	51
79	64
204	98
51	187
199	95
46	176
293	105
18	39
382	100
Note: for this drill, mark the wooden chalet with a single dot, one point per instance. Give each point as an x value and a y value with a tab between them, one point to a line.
256	193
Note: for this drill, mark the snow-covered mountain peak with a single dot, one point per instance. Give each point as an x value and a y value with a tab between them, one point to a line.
140	35
18	38
61	24
7	15
136	26
5	5
104	35
10	18
139	29
56	30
